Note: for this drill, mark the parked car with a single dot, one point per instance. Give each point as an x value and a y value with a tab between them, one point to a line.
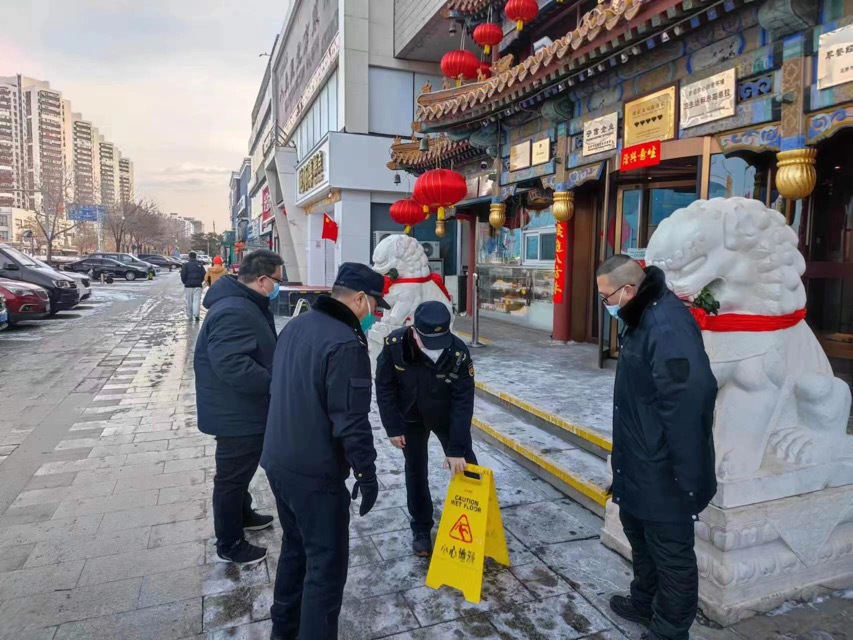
126	258
84	286
24	301
61	287
159	261
4	314
204	259
112	268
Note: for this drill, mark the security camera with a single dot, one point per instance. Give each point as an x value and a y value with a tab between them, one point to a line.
484	164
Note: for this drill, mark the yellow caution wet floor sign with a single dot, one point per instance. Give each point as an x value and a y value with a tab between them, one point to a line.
470	529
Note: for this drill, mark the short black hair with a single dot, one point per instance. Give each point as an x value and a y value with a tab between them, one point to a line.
192	255
262	262
622	269
339	291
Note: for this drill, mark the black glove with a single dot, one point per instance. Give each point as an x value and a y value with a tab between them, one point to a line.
369	492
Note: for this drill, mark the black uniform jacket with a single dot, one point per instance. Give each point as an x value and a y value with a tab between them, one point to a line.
192	274
412	390
663	410
318	423
233	360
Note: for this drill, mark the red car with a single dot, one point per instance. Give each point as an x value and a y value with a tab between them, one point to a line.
24	301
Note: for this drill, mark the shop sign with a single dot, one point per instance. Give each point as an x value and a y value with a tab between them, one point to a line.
519	156
541	151
708	100
486	186
599	135
640	155
835	58
312	173
266	204
650	118
305	57
473	185
561	251
637	254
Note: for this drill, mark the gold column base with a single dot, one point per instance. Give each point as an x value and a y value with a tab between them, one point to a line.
795	175
564	205
497	214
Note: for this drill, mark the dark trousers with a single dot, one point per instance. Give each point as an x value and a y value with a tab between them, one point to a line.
312	567
416	453
237	459
666	579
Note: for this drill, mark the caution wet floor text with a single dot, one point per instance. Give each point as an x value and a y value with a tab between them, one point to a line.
470	529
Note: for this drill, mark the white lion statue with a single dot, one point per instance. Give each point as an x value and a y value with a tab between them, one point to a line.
402	257
777	393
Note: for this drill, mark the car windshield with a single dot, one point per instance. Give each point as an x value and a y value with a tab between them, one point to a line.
22	259
41	264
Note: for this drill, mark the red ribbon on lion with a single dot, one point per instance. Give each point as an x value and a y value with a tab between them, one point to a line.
434	277
746	322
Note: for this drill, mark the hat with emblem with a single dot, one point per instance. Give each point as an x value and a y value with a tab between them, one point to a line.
359	277
432	322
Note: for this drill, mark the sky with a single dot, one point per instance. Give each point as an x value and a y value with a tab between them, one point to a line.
171	82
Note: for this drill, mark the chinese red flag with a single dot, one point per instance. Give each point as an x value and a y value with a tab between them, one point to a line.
330	229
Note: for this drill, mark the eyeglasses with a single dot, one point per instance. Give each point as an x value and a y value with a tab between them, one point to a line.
278	280
604	299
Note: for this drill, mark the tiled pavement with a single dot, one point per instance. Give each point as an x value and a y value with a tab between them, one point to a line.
106	531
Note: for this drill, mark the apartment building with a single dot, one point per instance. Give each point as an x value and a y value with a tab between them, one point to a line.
125	179
11	144
84	161
108	156
45	141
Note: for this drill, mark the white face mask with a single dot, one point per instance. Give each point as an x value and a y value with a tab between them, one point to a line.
432	354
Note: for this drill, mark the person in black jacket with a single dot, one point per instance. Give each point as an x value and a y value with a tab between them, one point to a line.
192	275
663	444
425	382
318	429
233	366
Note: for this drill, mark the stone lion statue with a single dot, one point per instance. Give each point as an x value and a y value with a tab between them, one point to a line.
778	399
402	257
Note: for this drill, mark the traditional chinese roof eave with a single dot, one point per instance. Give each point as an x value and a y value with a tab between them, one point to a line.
602	30
407	156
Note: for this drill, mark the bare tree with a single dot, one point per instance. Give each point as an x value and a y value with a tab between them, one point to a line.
49	218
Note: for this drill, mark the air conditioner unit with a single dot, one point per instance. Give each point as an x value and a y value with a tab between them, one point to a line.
431	249
379	236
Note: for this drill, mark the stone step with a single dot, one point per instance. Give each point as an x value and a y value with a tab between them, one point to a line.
580	474
591	440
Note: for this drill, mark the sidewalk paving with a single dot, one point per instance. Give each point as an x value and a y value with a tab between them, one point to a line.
110	536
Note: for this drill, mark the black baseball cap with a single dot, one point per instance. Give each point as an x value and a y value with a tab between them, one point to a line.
360	277
432	322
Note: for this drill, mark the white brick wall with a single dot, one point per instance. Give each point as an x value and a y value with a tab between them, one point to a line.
410	16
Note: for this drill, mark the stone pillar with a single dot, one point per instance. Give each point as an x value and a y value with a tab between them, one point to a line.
352	213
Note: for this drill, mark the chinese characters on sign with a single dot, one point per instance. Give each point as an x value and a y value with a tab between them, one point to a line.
560	257
641	155
835	58
650	118
708	100
312	173
541	151
266	204
519	156
599	135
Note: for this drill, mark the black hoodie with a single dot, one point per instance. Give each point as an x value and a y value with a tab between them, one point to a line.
233	360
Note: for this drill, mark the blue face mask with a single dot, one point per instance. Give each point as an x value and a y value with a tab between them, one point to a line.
274	293
368	320
613	310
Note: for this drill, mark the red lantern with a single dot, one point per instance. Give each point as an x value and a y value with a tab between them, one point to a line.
459	63
438	189
521	11
486	68
487	35
407	212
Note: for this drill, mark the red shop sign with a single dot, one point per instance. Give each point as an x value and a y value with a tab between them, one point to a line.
640	155
560	257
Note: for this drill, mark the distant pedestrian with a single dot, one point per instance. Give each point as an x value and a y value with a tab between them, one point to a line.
663	445
192	275
233	369
317	431
214	272
425	383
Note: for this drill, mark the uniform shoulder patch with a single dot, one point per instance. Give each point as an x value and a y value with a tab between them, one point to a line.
471	368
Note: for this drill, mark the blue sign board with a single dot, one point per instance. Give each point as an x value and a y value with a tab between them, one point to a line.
86	212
